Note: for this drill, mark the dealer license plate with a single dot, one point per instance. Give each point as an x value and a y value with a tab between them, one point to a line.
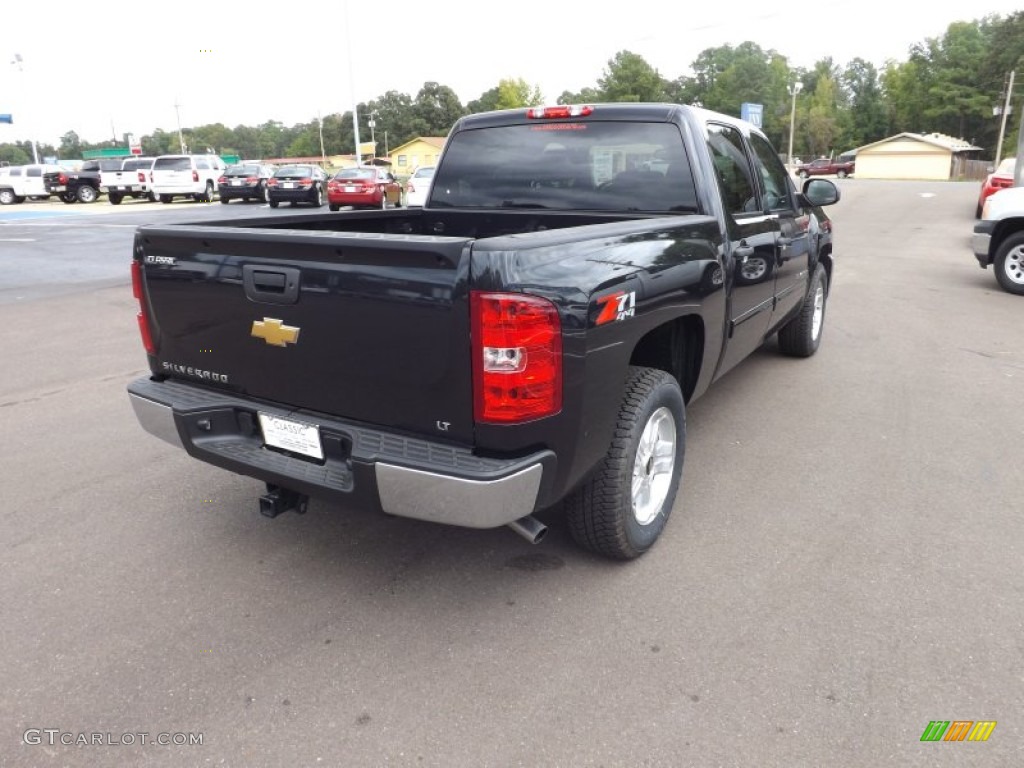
294	436
237	183
350	189
289	185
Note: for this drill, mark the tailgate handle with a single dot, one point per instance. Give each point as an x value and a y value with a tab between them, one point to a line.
272	285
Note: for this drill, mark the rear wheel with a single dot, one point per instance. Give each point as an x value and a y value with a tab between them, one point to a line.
318	197
801	336
273	203
383	200
333	207
841	174
7	197
86	194
68	198
622	508
802	174
225	200
166	199
114	199
1009	264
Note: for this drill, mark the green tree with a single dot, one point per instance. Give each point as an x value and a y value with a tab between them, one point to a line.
584	96
435	110
12	154
867	114
628	77
70	145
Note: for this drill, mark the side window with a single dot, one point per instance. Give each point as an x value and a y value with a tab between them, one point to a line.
732	169
777	195
202	164
15	171
36	171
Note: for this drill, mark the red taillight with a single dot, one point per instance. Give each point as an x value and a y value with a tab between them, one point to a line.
271	182
517	357
252	180
222	180
567	110
143	316
62	179
306	181
195	175
1002	183
142	178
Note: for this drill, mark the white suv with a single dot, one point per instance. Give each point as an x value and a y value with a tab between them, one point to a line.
20	181
192	176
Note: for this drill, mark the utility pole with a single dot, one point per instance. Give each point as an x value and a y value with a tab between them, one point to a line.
323	155
352	85
20	64
181	138
372	123
1002	123
793	90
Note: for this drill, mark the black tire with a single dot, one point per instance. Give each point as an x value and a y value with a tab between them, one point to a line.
977	211
7	197
153	197
87	194
208	192
333	207
114	199
68	198
166	199
383	200
801	336
225	200
318	197
273	203
1009	264
602	513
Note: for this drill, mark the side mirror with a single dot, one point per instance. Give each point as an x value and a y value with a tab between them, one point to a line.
820	192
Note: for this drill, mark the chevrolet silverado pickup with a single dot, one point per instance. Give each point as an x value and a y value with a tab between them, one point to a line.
825	166
82	186
526	341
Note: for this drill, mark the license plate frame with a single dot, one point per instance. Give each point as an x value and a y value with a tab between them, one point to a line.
291	435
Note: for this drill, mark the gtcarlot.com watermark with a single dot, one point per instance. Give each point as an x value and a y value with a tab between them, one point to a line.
53	737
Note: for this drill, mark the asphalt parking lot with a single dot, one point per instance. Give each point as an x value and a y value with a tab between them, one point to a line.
842	566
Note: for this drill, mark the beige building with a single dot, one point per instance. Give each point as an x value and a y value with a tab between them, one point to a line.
933	156
423	150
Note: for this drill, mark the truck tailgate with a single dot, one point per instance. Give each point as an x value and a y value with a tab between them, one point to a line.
364	327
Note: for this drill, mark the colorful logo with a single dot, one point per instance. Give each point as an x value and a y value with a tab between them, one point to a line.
958	730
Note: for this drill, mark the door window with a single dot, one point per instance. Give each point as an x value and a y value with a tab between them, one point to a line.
732	169
777	195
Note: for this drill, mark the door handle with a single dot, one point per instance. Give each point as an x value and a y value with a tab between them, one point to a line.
271	285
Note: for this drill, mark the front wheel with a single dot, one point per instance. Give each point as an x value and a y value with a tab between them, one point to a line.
68	198
225	200
114	199
333	207
7	197
166	199
621	509
801	336
802	174
1009	264
273	203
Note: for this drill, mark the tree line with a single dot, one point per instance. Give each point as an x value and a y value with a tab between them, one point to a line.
948	84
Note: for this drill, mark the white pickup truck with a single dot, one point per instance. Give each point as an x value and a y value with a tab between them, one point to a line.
999	238
18	182
131	180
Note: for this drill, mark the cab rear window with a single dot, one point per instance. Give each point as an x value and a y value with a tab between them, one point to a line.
585	165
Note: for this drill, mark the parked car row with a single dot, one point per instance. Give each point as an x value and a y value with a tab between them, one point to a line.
200	177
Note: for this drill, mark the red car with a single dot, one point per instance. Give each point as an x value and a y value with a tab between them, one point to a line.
366	187
1001	178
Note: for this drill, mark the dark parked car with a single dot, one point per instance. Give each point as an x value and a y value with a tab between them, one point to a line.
368	187
296	184
245	182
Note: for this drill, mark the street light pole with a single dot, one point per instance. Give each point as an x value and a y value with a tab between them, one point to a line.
181	138
19	63
372	123
794	89
352	85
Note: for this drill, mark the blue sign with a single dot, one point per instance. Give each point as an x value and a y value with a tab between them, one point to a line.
752	113
9	119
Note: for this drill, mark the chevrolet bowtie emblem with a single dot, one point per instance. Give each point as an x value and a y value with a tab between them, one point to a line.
275	332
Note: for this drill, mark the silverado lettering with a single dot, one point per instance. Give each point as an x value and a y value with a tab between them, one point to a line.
500	304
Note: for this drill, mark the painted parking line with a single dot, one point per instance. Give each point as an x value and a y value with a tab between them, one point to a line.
6	216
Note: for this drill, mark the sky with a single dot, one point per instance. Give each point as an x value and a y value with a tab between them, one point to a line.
105	69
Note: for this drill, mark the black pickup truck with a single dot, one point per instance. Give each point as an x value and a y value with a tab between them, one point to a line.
525	341
81	186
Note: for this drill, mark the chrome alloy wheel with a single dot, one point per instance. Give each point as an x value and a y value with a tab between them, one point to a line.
653	466
1013	265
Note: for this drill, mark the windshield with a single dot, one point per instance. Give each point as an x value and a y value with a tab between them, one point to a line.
243	170
603	166
423	173
294	170
355	173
